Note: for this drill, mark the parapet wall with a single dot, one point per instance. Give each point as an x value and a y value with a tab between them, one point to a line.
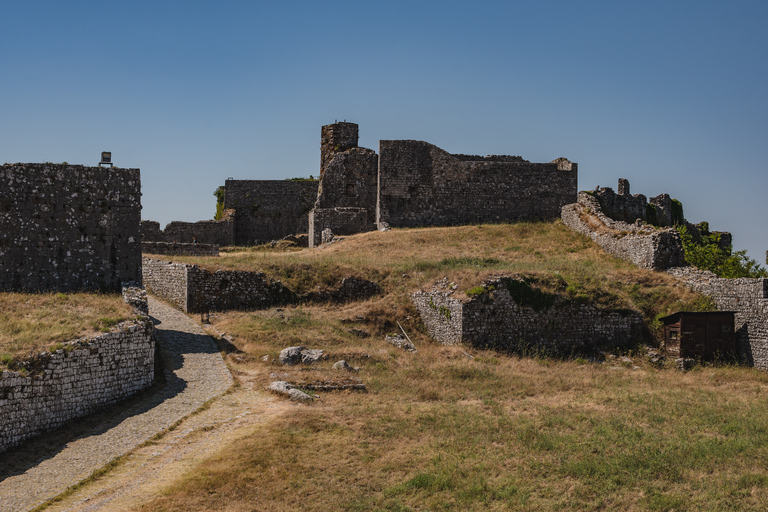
269	209
86	375
422	185
179	249
495	320
748	298
214	232
639	243
69	227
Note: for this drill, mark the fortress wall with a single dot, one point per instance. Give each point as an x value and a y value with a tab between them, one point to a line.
225	290
69	227
196	290
422	185
269	209
341	221
167	280
748	298
215	232
179	249
86	375
495	320
643	245
350	181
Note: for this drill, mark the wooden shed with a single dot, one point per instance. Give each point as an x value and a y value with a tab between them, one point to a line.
699	335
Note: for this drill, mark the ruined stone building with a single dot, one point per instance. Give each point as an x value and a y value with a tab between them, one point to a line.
69	227
407	184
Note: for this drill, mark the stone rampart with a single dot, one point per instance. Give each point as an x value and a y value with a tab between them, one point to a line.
213	232
224	290
197	290
496	320
639	243
269	210
335	138
350	181
87	374
748	298
167	280
422	185
341	221
69	227
179	249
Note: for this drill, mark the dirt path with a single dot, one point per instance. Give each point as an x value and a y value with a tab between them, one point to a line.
150	469
195	373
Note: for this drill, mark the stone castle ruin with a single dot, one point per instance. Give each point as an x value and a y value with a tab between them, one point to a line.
69	227
407	184
632	227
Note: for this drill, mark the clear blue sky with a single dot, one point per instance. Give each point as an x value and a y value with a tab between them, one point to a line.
671	95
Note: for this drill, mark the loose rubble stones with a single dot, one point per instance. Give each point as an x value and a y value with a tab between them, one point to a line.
294	355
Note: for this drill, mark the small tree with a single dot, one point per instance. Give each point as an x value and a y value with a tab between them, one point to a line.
219	193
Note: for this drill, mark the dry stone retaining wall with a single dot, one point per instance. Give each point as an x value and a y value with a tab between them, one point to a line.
196	290
639	243
748	298
495	320
69	227
72	382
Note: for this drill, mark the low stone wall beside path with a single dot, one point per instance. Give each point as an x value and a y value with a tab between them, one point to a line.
87	374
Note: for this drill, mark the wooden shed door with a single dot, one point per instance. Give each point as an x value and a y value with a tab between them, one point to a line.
700	339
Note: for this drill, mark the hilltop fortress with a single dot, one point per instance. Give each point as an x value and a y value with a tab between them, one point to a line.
407	184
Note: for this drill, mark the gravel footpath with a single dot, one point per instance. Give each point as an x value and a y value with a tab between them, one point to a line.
195	372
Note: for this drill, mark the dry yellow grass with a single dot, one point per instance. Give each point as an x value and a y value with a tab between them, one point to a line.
405	260
31	322
438	430
442	429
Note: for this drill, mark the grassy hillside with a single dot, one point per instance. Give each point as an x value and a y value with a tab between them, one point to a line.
403	261
451	428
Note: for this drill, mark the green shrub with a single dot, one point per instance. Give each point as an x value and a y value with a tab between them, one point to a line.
709	254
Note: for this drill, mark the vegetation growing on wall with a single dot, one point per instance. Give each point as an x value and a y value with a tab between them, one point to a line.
710	254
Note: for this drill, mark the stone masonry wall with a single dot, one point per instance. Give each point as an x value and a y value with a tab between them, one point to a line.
422	185
196	290
179	249
69	227
73	382
748	298
495	320
639	243
269	210
351	181
335	138
225	290
167	280
341	221
217	232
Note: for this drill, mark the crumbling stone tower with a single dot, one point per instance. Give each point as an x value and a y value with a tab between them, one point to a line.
336	138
